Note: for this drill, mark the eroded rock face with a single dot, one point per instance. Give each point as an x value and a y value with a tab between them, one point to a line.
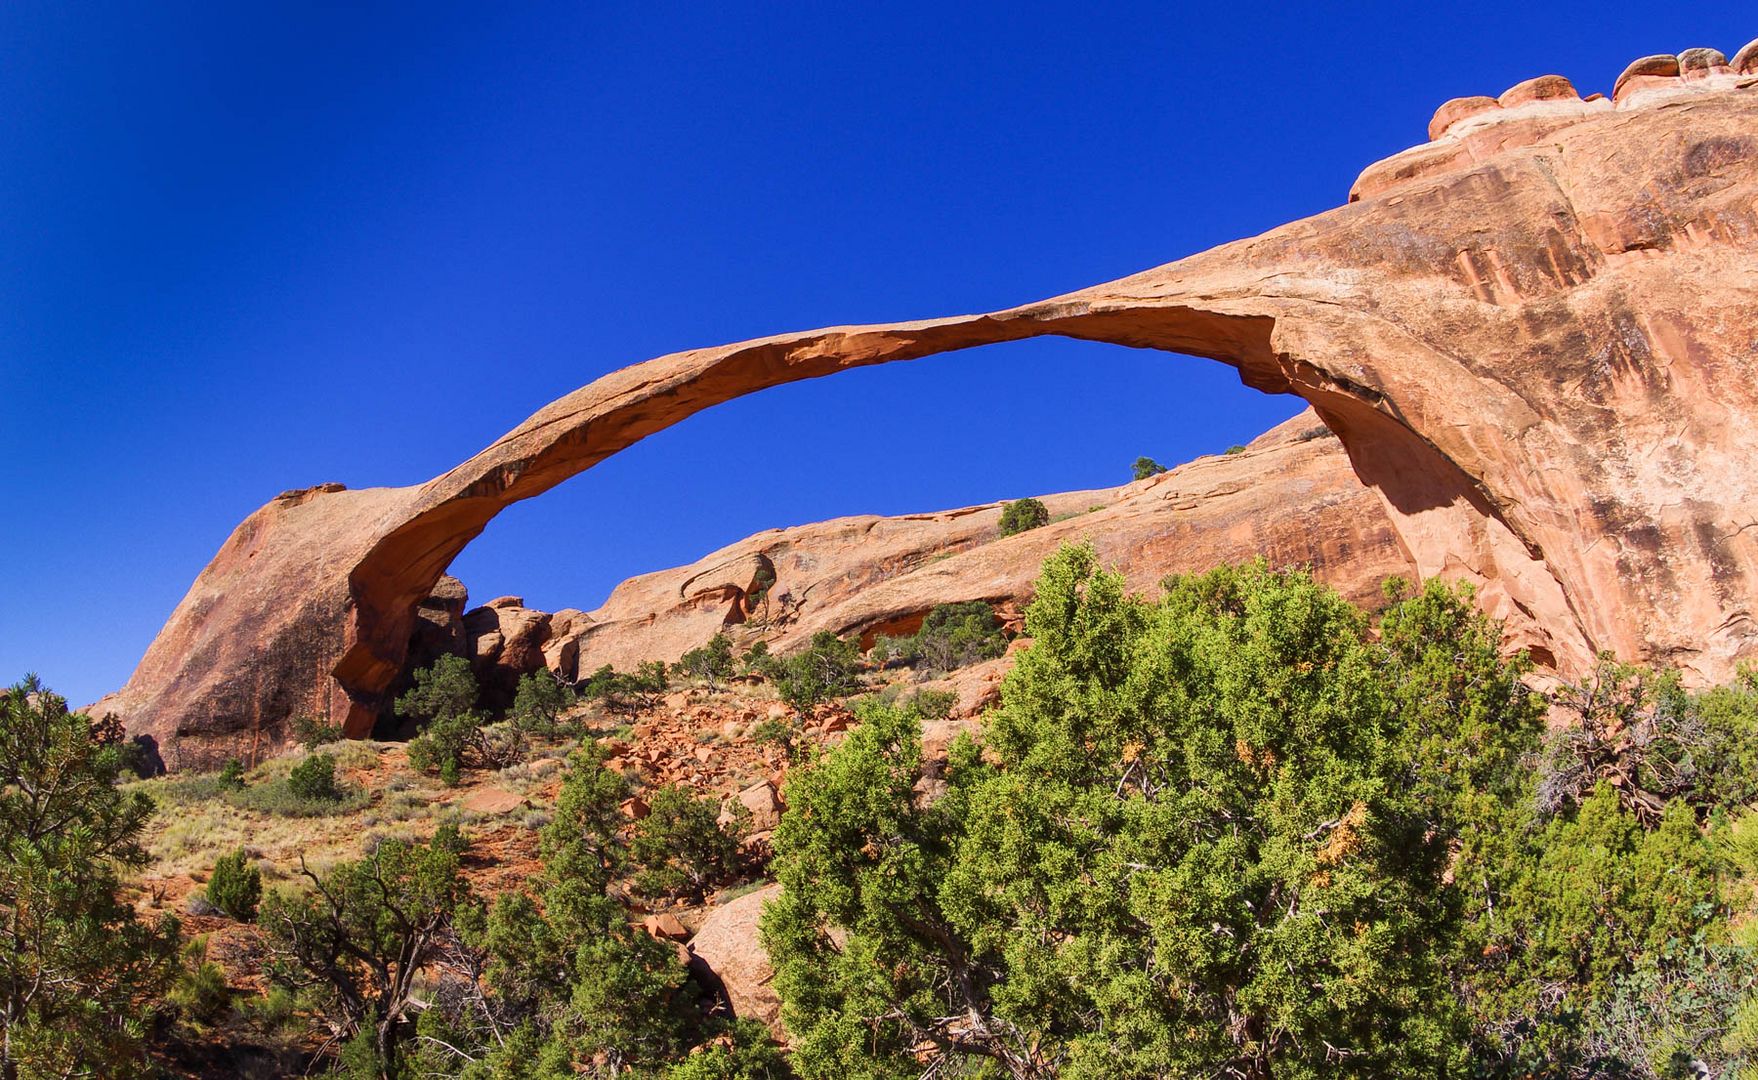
1535	337
506	640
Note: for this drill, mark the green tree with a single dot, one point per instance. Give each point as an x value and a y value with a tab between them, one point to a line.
570	986
680	847
1592	900
747	1055
822	671
76	964
540	700
235	886
711	663
443	691
756	660
626	693
1023	514
360	936
1228	833
314	779
956	635
1145	467
457	733
231	776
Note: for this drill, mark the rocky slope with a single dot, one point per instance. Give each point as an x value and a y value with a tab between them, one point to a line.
1534	335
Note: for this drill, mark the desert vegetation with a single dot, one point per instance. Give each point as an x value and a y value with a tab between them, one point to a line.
951	636
1023	514
1247	831
1240	829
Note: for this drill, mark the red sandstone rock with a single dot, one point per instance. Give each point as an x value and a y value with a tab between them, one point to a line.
729	946
1543	88
762	802
1660	66
666	927
1745	62
506	640
1701	63
1460	108
1535	342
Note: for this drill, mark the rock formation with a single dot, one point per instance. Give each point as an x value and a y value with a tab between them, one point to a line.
1290	497
1534	335
729	948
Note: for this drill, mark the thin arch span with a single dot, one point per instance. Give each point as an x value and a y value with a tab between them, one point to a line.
1536	347
607	416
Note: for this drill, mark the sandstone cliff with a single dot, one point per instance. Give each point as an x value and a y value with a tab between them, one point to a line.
1534	336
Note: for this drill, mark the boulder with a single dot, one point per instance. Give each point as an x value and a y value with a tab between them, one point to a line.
730	948
666	927
762	802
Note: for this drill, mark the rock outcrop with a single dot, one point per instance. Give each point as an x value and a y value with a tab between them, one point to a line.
730	948
1534	335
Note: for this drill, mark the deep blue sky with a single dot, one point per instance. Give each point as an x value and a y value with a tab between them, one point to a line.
249	247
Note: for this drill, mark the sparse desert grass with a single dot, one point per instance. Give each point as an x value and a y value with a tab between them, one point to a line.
528	776
727	896
201	818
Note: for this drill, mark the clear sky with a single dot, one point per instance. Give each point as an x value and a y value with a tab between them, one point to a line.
251	247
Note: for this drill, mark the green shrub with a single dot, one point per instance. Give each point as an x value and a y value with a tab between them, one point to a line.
1023	514
314	779
626	693
679	848
540	701
1145	467
457	734
275	1012
931	704
761	582
1235	449
1235	832
775	731
956	635
756	660
235	886
231	777
315	731
199	991
445	689
711	663
822	672
279	798
441	746
79	969
362	933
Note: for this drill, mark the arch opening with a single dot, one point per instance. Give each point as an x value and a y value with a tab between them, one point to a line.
584	428
986	424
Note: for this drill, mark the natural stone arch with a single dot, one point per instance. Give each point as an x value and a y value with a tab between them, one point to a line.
1507	329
